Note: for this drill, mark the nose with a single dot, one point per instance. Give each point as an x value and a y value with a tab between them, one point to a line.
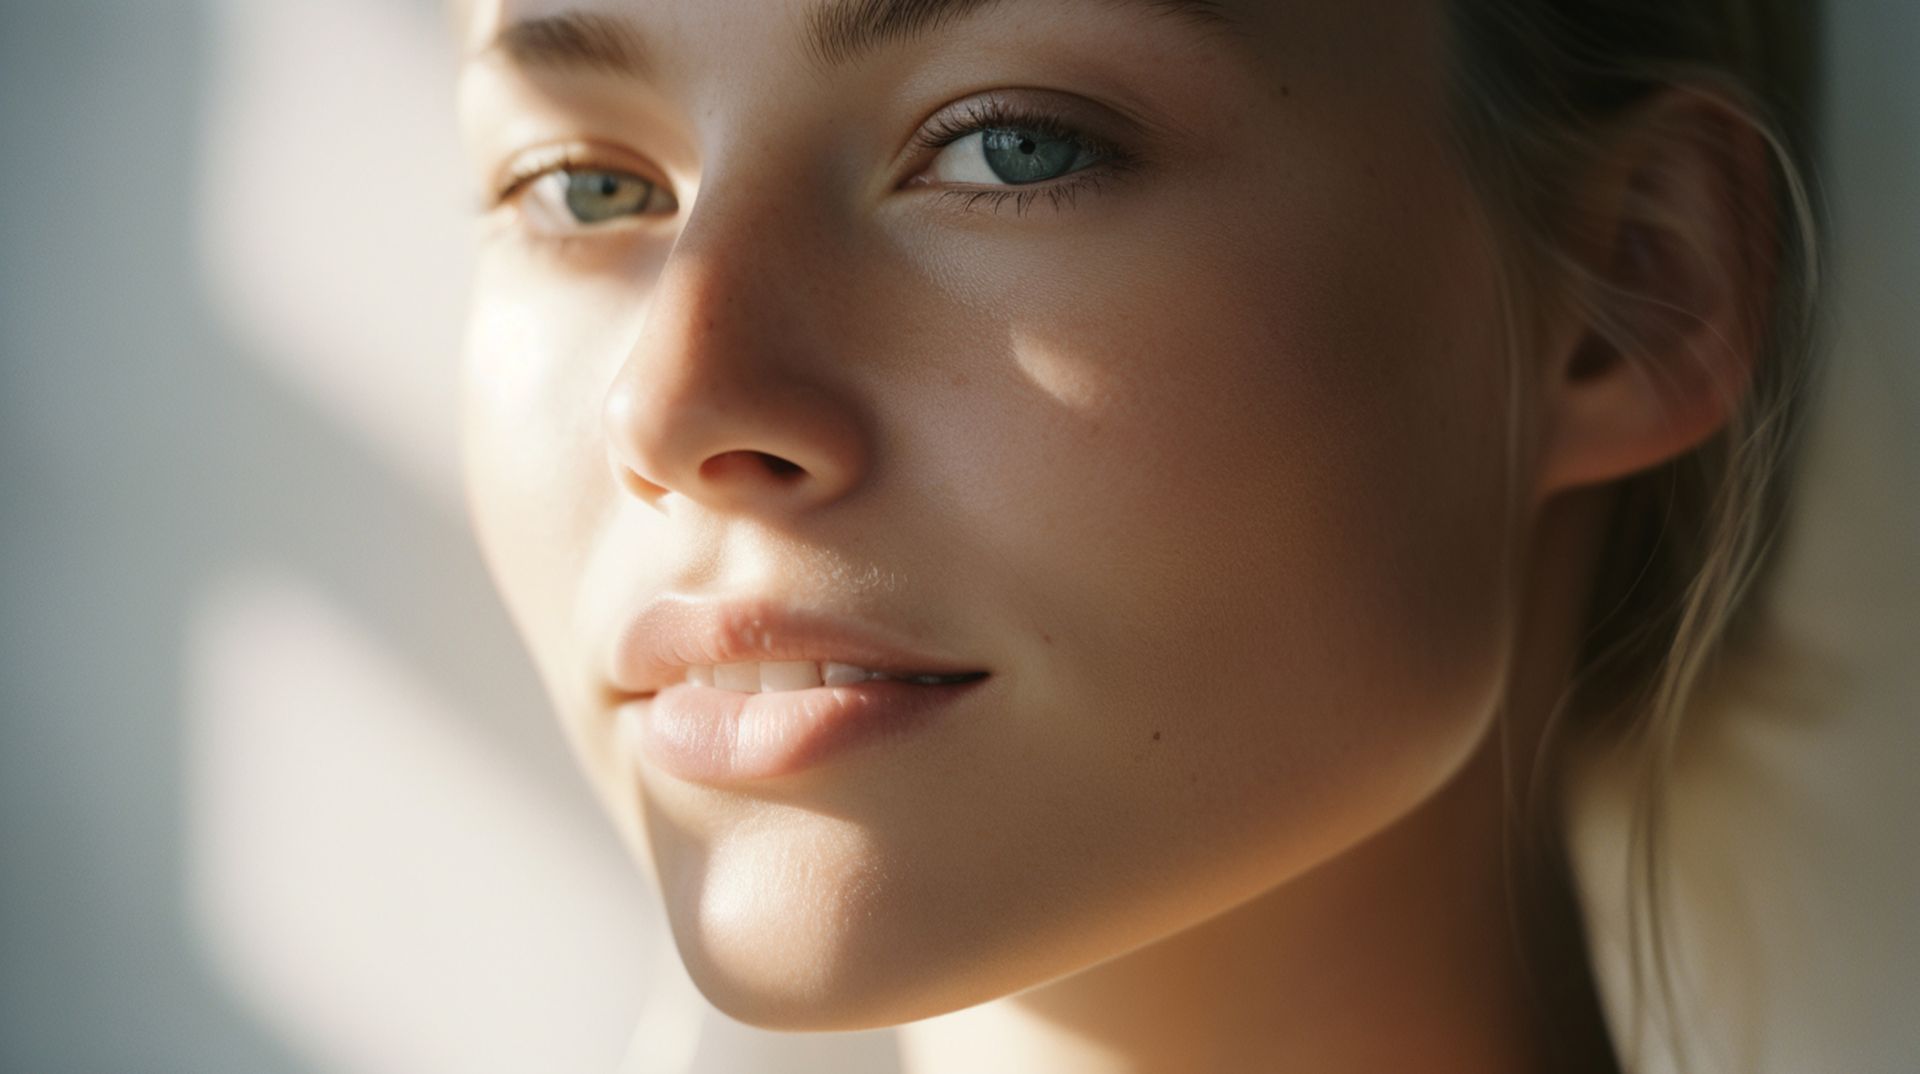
724	396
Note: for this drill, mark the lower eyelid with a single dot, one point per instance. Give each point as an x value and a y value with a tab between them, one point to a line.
1062	193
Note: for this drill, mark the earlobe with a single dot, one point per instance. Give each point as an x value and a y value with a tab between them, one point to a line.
1666	332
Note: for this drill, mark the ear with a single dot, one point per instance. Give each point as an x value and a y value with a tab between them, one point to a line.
1677	249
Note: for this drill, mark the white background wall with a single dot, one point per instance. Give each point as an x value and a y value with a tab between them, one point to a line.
278	790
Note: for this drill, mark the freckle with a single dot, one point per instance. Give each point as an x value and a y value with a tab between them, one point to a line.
1156	736
1048	638
1193	777
1286	90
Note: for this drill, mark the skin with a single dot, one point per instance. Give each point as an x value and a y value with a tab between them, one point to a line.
1209	468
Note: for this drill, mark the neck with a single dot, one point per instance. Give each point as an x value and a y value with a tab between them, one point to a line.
1404	953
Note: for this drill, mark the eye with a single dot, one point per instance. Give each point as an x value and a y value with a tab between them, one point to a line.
567	198
1009	155
995	151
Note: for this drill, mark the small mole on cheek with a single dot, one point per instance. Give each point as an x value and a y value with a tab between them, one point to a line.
1286	90
1156	736
1048	638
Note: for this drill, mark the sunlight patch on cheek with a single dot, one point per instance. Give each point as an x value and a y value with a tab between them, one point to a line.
502	372
534	451
1072	378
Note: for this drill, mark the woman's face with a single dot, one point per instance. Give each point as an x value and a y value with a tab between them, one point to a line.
1173	402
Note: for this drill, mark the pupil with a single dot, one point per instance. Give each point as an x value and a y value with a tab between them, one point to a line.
1017	156
609	186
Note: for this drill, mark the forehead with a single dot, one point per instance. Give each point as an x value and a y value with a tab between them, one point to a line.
1234	55
834	25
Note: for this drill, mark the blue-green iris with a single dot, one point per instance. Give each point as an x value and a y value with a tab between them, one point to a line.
1018	156
598	196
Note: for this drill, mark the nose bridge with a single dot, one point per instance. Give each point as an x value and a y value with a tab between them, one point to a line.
723	394
698	304
723	217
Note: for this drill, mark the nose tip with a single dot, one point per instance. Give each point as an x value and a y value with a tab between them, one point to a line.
733	450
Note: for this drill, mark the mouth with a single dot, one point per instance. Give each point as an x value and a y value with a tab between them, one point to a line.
735	724
786	676
757	646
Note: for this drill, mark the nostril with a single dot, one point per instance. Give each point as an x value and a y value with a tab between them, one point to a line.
736	463
781	468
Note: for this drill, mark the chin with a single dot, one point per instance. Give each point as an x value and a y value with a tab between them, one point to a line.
806	984
808	940
787	1007
779	945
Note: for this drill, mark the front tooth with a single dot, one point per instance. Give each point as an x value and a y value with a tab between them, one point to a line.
767	676
789	675
744	678
844	674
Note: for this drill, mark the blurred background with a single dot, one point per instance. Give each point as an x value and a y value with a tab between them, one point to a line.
279	793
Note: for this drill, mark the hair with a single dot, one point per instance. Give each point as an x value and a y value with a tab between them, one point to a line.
1535	85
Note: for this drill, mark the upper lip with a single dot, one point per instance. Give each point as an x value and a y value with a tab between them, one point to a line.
655	647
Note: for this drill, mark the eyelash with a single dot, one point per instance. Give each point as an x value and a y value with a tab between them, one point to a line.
1110	161
540	165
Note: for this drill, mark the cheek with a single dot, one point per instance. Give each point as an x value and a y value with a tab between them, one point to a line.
1251	494
537	479
539	487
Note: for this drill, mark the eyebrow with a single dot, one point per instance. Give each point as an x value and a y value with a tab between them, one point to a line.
839	32
572	40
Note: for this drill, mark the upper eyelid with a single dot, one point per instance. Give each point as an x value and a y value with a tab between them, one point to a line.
1053	112
525	168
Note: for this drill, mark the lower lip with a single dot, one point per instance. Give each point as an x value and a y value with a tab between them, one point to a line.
709	735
